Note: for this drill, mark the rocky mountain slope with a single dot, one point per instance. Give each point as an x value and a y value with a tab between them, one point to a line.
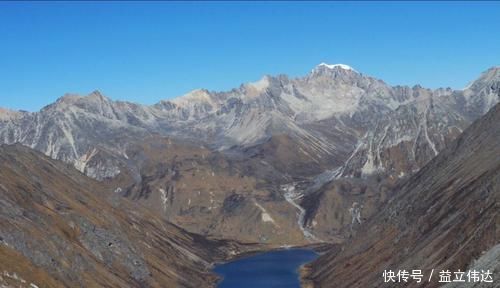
444	218
59	228
206	192
281	146
329	113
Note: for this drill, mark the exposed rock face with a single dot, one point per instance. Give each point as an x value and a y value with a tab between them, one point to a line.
444	217
59	228
328	113
203	191
487	262
313	133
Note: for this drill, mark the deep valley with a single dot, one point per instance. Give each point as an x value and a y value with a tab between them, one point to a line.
103	193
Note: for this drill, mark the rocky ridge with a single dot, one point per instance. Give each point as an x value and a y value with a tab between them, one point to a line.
59	228
444	217
333	136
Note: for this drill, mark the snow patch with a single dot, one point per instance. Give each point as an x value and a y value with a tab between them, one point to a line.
69	137
264	214
355	212
164	199
81	162
369	166
426	134
332	66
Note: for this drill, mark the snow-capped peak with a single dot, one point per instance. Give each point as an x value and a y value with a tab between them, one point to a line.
332	66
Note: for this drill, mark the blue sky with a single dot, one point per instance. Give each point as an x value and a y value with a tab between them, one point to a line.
145	52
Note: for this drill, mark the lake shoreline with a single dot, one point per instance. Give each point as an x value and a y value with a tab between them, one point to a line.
316	248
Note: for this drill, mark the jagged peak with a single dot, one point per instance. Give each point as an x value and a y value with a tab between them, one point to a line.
493	73
71	98
256	88
488	76
195	96
260	84
68	97
97	93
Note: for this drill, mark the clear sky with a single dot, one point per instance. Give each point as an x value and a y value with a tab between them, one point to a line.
144	52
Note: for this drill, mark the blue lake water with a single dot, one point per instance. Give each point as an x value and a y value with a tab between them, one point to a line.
274	269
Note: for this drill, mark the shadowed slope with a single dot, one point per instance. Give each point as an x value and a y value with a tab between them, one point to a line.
59	228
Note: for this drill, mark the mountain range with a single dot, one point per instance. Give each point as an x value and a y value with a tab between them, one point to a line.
96	192
268	149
